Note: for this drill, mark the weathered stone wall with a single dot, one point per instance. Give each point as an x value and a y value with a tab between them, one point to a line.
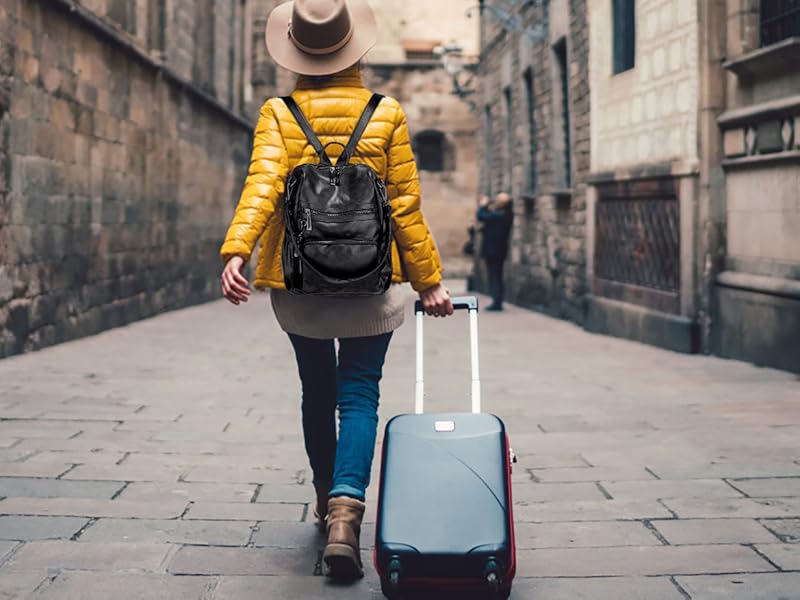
648	113
548	256
117	178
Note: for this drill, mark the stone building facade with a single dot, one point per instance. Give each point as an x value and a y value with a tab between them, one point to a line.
122	153
678	223
535	140
693	212
756	289
403	65
645	190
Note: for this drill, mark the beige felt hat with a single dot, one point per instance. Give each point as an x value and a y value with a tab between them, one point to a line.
320	37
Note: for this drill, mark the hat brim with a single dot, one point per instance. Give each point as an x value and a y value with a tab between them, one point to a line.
287	55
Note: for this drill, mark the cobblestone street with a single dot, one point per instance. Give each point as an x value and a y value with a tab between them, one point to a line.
165	460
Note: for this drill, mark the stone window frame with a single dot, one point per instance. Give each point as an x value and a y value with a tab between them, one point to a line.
204	45
529	87
488	123
508	135
157	28
433	150
561	122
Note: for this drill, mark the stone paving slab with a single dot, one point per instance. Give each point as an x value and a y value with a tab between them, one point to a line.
742	586
99	458
39	528
786	556
307	588
90	507
597	588
647	560
769	488
256	460
730	470
744	508
547	461
27	487
656	490
297	535
237	474
141	491
605	510
6	547
629	473
714	531
13	455
125	472
278	492
35	469
14	585
211	533
239	511
79	585
584	535
88	556
788	530
529	492
201	560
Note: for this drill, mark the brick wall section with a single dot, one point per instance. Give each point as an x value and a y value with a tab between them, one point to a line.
118	183
547	267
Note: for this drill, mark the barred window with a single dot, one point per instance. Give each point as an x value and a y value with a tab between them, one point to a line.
780	20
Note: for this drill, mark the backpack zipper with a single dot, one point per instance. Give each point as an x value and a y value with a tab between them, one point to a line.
364	211
308	219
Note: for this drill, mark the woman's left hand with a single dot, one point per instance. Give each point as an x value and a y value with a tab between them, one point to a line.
235	286
436	301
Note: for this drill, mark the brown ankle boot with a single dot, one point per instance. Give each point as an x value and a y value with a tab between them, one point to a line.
321	508
342	554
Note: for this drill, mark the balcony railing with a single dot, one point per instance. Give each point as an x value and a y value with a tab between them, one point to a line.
780	19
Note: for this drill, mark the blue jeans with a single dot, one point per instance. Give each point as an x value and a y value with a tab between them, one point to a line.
351	384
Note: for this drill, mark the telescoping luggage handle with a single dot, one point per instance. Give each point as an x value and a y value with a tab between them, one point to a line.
469	303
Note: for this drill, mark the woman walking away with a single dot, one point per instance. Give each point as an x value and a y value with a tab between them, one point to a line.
323	42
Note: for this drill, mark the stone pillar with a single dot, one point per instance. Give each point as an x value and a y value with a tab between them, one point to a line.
711	215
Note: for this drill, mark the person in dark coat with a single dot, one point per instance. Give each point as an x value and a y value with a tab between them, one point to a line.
497	218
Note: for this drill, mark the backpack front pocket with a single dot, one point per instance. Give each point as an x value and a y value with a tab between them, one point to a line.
343	259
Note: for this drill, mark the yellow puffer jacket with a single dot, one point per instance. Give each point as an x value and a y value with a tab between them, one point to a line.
280	146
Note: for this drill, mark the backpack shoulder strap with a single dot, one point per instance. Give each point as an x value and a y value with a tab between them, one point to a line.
305	126
369	110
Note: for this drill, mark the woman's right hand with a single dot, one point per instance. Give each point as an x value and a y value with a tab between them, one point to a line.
235	286
436	301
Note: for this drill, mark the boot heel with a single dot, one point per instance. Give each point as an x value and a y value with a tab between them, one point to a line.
343	562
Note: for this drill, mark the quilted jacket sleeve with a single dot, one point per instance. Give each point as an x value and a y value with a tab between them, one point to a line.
263	187
415	243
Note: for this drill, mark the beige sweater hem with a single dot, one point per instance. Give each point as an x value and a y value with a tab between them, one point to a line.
323	317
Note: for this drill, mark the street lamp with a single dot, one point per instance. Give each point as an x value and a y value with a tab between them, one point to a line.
506	13
452	57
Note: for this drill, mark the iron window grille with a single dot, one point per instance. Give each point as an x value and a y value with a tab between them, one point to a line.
780	20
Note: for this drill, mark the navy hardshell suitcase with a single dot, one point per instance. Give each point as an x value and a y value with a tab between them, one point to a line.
444	519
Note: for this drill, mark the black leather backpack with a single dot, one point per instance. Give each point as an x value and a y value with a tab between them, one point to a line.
338	236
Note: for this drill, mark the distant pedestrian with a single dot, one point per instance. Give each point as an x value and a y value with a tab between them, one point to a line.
497	218
323	41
